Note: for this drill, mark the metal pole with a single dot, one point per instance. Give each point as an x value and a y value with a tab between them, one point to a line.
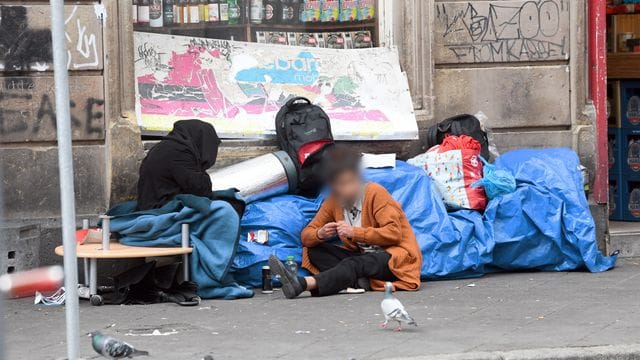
597	48
2	329
65	164
185	257
106	231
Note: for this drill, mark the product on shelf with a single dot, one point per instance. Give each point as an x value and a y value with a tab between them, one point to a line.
134	11
224	11
275	37
155	13
348	10
203	10
622	41
633	203
194	11
291	39
321	40
330	11
306	39
289	10
334	40
271	37
310	11
179	12
295	17
366	10
167	12
235	12
143	12
256	12
271	11
362	39
613	200
214	10
348	40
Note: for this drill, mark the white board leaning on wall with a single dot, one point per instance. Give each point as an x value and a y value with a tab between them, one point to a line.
239	87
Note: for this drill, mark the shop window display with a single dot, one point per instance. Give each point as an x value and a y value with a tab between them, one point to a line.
337	24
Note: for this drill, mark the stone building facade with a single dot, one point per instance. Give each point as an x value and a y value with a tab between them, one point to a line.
522	62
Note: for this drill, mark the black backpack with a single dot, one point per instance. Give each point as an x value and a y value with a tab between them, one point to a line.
464	124
304	132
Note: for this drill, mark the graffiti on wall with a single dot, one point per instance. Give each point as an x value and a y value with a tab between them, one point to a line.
25	38
501	31
27	108
239	87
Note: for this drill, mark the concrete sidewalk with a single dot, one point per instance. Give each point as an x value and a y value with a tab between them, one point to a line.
505	316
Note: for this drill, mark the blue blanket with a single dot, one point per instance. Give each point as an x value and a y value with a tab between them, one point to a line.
544	225
214	227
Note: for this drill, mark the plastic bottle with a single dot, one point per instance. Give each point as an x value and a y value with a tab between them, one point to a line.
167	13
634	202
286	12
291	264
143	12
235	12
214	11
224	11
194	11
270	11
296	11
203	9
633	155
155	13
257	11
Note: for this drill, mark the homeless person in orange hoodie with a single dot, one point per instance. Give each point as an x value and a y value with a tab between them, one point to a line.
376	244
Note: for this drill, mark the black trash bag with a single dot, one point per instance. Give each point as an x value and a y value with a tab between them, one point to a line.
148	284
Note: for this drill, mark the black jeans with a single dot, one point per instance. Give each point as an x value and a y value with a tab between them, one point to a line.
341	268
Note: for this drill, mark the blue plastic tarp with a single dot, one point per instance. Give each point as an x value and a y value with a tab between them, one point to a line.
544	225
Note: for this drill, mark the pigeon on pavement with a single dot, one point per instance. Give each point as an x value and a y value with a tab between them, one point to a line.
112	348
393	309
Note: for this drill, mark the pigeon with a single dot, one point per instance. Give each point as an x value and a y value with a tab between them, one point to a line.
112	348
393	310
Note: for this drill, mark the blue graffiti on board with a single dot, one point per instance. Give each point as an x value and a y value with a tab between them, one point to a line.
303	70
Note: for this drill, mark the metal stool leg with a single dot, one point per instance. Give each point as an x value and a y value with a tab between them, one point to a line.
185	257
85	225
93	276
95	298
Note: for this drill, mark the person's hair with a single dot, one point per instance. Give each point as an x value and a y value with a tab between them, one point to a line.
337	160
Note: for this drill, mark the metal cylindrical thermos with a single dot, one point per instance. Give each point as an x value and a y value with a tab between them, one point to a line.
258	178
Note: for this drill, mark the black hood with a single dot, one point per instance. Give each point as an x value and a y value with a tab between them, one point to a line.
199	138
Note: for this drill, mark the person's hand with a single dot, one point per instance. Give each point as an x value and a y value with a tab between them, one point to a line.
328	231
345	230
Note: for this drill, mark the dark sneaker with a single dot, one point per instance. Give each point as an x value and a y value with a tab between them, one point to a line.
363	283
291	287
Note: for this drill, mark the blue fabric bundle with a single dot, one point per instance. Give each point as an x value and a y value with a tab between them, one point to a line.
214	227
544	225
496	182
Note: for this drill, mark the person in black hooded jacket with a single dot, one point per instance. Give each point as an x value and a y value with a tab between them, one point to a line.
178	164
